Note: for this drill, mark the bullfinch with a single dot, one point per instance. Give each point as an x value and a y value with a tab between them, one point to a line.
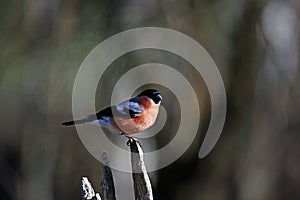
129	117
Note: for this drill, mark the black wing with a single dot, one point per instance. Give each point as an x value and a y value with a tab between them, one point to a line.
129	108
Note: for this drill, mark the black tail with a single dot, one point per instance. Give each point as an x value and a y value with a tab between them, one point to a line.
68	123
80	121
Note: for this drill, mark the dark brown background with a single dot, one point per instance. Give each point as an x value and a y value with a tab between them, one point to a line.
255	44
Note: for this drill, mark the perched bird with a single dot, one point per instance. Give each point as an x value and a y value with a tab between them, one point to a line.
129	117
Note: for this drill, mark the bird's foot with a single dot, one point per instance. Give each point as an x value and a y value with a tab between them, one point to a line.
131	139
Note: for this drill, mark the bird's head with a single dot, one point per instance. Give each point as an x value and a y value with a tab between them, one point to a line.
152	94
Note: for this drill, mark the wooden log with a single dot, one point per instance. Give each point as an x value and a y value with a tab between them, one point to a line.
88	192
107	187
141	182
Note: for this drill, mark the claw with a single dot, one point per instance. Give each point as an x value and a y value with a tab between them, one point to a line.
130	139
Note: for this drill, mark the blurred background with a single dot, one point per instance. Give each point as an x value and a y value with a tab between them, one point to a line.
255	44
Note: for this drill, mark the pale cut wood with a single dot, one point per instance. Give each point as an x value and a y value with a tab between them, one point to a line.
141	182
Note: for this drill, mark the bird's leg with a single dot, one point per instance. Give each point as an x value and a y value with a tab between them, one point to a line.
130	138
